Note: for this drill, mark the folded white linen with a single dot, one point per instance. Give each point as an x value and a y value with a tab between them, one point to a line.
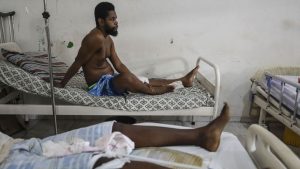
111	145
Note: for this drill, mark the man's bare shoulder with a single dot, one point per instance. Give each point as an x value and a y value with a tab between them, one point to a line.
110	39
93	37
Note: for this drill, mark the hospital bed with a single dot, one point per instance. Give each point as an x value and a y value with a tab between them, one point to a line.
263	150
200	100
276	92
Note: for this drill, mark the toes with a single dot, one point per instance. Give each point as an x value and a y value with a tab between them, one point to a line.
225	107
195	69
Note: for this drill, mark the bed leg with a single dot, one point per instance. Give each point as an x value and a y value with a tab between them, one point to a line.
193	122
262	117
26	119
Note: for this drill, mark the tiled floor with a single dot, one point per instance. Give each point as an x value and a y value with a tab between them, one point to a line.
44	128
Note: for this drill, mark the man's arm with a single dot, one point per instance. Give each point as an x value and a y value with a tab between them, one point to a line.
86	51
115	60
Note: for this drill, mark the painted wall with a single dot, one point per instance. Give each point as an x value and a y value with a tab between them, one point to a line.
239	36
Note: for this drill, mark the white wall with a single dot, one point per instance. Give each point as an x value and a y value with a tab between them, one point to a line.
240	36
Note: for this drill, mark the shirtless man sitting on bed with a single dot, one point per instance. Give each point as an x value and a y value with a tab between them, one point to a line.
97	47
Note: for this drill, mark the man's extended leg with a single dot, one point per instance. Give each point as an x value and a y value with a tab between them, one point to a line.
187	80
207	137
129	82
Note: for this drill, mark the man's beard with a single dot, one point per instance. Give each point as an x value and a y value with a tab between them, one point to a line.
112	32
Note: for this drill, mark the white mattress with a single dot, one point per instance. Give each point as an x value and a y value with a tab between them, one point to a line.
230	154
289	93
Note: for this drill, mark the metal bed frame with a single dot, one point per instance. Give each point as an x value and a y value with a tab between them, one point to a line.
267	151
275	107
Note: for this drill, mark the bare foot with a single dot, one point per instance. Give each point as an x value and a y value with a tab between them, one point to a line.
156	90
187	80
211	134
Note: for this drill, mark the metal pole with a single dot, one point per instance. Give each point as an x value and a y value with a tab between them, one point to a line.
2	31
46	15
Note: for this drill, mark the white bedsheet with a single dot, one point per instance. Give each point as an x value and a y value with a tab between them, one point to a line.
230	154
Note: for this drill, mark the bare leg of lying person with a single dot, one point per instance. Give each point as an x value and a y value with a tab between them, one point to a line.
207	137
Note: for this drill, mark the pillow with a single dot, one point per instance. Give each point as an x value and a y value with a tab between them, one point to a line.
6	143
11	46
36	63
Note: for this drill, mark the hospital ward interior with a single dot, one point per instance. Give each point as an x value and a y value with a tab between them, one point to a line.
157	84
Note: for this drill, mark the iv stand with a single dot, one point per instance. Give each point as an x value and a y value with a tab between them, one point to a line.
46	16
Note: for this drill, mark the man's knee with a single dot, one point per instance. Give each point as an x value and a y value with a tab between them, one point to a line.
128	78
123	82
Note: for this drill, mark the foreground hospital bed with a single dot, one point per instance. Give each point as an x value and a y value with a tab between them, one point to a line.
276	92
264	150
24	81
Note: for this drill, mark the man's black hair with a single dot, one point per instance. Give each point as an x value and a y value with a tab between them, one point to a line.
102	9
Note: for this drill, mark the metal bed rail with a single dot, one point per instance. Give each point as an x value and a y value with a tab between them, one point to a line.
6	22
212	88
269	77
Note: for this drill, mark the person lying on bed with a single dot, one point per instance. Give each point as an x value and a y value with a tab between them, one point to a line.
30	153
97	46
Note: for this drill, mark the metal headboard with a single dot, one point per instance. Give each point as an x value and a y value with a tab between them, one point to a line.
7	27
